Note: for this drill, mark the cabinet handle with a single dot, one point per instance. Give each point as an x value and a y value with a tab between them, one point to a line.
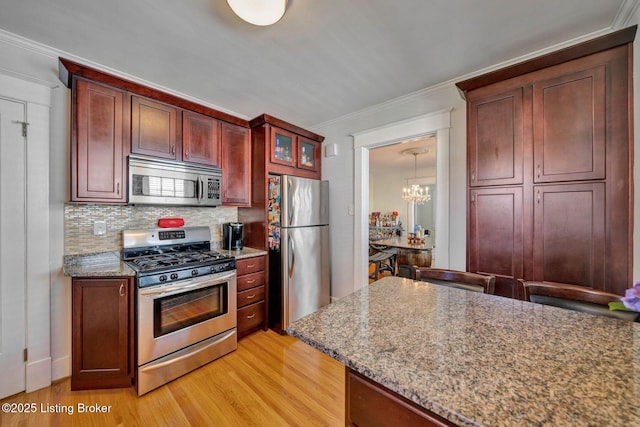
538	196
251	316
473	176
251	296
121	291
473	198
251	265
538	170
173	149
118	189
186	154
251	281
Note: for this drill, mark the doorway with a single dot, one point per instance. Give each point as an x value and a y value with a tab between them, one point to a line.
438	123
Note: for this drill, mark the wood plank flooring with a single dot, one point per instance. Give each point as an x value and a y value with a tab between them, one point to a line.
271	380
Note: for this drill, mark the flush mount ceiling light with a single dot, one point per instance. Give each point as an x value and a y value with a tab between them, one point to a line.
259	12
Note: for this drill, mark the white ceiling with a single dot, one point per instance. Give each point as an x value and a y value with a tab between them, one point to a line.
390	160
324	59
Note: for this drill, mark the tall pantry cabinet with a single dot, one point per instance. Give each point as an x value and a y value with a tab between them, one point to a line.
549	149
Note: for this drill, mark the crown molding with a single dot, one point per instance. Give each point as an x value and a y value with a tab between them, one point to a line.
626	12
54	53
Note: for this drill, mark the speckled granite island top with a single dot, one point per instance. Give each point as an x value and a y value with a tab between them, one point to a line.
483	360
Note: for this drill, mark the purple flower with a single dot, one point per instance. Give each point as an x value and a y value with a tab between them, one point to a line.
631	299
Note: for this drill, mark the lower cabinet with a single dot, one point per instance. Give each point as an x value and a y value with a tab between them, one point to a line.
251	295
368	403
102	333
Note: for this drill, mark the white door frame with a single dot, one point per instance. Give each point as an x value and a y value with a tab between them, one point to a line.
38	100
437	122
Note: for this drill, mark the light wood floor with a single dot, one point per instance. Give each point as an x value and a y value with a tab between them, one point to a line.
271	380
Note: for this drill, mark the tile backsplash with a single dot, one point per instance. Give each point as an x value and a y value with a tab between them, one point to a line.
79	220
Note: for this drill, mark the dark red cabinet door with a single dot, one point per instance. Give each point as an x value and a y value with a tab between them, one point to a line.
569	127
200	139
495	236
236	165
101	333
569	234
153	128
495	139
97	149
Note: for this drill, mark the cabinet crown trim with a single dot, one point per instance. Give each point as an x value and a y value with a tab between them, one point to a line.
267	119
67	69
599	44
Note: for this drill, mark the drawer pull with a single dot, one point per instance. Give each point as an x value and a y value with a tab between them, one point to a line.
251	296
251	316
250	265
251	281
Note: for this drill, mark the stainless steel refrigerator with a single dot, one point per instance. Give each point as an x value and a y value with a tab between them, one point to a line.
299	275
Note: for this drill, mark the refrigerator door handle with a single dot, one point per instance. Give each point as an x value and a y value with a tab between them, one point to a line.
289	202
292	257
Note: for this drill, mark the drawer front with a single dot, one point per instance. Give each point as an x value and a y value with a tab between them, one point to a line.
249	281
250	296
250	265
250	316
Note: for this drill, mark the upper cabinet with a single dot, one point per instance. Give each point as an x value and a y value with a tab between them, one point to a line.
112	117
290	150
200	139
99	143
569	131
236	165
496	138
153	128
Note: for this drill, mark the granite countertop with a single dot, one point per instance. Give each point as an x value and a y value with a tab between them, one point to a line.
99	264
484	360
111	264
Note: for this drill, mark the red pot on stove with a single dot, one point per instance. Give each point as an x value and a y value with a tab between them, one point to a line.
170	222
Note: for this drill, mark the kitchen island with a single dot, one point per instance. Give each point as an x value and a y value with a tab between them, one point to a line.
471	359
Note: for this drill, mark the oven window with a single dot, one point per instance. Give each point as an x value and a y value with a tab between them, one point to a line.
180	311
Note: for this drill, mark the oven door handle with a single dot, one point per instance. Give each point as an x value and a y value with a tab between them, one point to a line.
178	288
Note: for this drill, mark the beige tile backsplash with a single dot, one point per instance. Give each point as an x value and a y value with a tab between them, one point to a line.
79	219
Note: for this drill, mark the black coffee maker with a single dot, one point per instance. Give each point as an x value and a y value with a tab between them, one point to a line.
232	235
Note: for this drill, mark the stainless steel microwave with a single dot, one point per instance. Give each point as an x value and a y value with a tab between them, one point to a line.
165	182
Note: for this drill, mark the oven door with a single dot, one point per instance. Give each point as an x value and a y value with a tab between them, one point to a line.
174	316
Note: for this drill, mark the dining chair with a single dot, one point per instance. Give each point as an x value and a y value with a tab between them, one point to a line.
456	279
574	297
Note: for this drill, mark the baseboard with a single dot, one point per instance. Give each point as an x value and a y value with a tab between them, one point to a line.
61	368
38	374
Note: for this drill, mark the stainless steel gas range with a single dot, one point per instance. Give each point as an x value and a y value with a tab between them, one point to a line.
186	302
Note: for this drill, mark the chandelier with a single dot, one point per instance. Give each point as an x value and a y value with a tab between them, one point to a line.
415	193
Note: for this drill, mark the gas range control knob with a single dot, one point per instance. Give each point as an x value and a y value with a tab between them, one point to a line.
213	268
174	276
163	278
194	272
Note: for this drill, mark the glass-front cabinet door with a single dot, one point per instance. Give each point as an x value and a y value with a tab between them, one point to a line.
308	154
283	147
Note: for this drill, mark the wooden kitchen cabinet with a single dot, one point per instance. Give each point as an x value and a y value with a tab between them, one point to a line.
290	150
200	139
236	165
251	284
496	236
550	192
99	143
496	138
102	333
153	128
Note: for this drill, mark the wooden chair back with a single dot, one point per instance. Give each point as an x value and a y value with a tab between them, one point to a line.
574	297
457	279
